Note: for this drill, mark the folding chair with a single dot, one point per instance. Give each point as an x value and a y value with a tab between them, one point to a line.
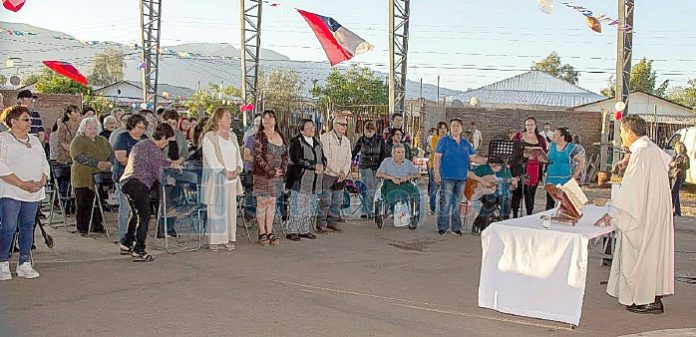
101	180
58	172
190	208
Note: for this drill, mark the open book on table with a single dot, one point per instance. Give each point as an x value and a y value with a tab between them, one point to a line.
570	199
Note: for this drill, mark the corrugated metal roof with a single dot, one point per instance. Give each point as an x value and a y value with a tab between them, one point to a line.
531	88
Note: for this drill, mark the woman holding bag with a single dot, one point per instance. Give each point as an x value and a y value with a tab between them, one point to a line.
222	163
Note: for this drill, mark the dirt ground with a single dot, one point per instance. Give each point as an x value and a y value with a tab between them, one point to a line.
363	282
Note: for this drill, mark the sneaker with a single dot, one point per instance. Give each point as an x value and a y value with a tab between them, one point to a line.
27	271
230	246
5	273
442	232
459	233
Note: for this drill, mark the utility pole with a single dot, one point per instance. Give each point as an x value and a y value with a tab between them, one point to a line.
399	11
624	50
150	22
250	50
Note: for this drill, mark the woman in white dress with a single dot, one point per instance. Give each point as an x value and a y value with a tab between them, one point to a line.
222	163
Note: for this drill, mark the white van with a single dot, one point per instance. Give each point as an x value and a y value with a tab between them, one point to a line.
688	137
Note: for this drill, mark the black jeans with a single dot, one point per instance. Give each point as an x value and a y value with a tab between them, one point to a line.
85	199
138	195
550	203
529	193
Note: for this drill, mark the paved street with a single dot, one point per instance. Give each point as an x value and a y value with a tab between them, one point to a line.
363	282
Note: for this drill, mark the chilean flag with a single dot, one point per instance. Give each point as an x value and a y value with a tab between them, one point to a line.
339	43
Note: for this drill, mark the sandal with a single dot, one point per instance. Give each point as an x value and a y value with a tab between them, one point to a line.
274	240
263	240
216	247
230	246
142	256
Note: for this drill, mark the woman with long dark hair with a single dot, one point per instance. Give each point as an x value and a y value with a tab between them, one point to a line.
531	171
270	166
560	162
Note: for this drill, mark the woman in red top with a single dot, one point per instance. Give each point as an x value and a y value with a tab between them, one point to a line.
530	138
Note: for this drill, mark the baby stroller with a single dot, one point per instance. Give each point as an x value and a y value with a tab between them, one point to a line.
494	207
385	202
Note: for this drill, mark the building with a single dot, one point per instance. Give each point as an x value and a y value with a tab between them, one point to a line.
533	90
664	117
125	93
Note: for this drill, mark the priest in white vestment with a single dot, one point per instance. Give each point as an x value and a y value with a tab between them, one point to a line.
642	270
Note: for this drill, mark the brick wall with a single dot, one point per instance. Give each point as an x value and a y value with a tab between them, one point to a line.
50	106
495	122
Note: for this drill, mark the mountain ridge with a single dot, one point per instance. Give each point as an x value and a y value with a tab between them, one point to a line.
190	72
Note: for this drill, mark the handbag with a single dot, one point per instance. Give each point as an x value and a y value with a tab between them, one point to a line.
402	214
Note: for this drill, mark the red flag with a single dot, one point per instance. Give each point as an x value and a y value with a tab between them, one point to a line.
339	43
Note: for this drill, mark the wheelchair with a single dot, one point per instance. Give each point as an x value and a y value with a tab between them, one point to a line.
384	209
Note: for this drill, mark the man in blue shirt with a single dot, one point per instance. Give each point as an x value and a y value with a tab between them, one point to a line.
453	157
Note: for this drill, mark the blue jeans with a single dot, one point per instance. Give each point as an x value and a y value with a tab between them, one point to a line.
432	189
17	213
368	177
329	203
675	196
123	212
451	194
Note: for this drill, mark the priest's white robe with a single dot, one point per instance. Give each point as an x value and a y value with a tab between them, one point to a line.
643	263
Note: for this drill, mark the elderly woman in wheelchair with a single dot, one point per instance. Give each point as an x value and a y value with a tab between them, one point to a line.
397	173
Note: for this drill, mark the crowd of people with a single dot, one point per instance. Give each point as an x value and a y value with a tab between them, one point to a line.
306	172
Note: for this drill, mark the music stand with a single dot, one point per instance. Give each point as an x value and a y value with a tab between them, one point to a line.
506	152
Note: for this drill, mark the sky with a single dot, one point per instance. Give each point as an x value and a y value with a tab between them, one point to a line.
467	43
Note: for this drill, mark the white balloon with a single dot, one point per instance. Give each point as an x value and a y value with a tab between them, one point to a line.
545	6
619	106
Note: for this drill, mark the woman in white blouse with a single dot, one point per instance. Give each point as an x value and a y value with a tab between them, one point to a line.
23	174
222	163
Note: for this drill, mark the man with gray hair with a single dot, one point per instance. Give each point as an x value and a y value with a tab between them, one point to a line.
642	270
337	150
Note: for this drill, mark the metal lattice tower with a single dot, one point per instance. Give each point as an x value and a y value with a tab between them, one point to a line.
624	50
251	44
398	49
150	23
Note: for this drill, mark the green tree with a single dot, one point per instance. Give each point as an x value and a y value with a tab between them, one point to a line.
643	78
30	79
280	85
685	95
3	79
207	100
49	82
107	67
354	86
552	66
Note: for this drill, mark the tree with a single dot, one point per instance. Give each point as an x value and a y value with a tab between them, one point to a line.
107	67
208	100
49	82
684	95
30	79
643	78
355	86
280	85
552	66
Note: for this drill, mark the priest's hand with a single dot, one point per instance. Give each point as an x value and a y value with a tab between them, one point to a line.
605	220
